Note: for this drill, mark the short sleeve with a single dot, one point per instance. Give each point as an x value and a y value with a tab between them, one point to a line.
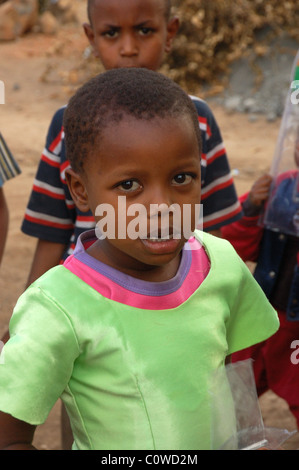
50	213
252	318
37	361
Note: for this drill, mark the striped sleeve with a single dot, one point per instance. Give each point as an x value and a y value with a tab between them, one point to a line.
219	198
50	214
9	168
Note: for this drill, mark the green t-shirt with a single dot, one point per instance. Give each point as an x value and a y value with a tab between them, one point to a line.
130	378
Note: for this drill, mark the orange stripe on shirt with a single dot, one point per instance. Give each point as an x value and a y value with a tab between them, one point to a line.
49	161
204	121
48	223
224	217
48	193
220	186
56	141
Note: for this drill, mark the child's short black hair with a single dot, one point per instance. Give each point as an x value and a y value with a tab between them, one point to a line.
110	97
91	2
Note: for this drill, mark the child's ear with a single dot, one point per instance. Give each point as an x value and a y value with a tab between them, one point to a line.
77	189
172	29
89	33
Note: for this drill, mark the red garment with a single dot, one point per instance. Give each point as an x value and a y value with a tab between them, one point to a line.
245	235
276	363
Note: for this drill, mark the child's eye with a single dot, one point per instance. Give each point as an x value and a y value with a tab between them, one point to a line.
111	33
144	31
129	185
182	178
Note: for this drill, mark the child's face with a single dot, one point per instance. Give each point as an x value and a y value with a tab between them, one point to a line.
149	163
130	33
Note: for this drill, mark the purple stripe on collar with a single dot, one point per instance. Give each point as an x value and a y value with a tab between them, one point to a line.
130	283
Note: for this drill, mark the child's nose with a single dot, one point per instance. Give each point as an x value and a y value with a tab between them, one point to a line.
128	46
160	197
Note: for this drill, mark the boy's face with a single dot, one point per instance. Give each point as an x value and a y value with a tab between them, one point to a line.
150	164
130	33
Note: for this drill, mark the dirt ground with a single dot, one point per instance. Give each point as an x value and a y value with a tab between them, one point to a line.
33	70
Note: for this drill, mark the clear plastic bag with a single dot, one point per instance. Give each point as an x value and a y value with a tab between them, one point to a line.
237	422
282	208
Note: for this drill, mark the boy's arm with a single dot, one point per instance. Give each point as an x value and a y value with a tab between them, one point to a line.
3	222
15	434
47	255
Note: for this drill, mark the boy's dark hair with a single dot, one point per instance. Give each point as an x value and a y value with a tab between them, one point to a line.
110	97
90	4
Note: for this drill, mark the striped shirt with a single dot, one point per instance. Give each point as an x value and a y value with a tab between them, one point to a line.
51	214
8	166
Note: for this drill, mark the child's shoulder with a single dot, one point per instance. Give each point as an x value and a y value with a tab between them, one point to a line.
57	118
289	175
202	107
219	250
55	130
59	285
208	240
55	281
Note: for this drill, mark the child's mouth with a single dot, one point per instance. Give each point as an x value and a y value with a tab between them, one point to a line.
161	245
159	240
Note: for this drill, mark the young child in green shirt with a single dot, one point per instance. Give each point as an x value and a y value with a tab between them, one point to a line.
129	331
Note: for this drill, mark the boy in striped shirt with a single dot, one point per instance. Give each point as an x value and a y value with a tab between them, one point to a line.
138	34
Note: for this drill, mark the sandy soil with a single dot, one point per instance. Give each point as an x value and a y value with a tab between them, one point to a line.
33	70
